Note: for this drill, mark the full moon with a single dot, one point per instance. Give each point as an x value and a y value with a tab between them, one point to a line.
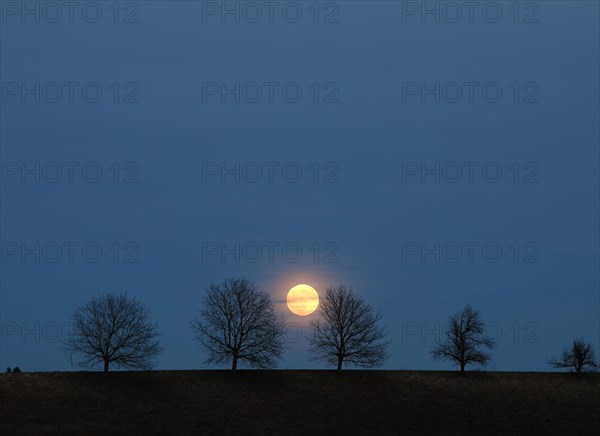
302	300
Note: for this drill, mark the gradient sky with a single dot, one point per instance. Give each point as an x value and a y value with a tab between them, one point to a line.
374	210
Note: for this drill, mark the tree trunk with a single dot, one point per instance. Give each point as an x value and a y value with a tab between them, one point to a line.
339	365
106	366
462	367
234	363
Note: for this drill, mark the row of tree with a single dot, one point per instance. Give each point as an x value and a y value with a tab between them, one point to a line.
238	324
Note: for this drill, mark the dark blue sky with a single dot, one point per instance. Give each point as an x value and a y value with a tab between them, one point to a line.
374	133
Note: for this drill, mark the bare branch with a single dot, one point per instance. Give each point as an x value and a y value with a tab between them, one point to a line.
114	329
348	331
464	339
579	358
237	323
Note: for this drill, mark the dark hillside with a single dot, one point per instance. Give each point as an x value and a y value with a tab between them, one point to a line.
299	402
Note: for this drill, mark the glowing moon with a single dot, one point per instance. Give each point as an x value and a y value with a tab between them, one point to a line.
302	300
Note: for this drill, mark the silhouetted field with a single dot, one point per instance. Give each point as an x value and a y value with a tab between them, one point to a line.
299	402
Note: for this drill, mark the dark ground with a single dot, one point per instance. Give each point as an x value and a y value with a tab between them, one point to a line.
299	402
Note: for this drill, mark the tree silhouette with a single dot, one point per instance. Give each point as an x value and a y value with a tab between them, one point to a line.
463	340
579	358
348	331
114	329
238	324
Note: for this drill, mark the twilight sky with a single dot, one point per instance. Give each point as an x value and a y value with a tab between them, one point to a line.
426	163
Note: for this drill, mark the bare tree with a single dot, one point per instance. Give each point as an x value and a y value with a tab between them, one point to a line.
114	329
238	324
348	331
579	358
463	340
